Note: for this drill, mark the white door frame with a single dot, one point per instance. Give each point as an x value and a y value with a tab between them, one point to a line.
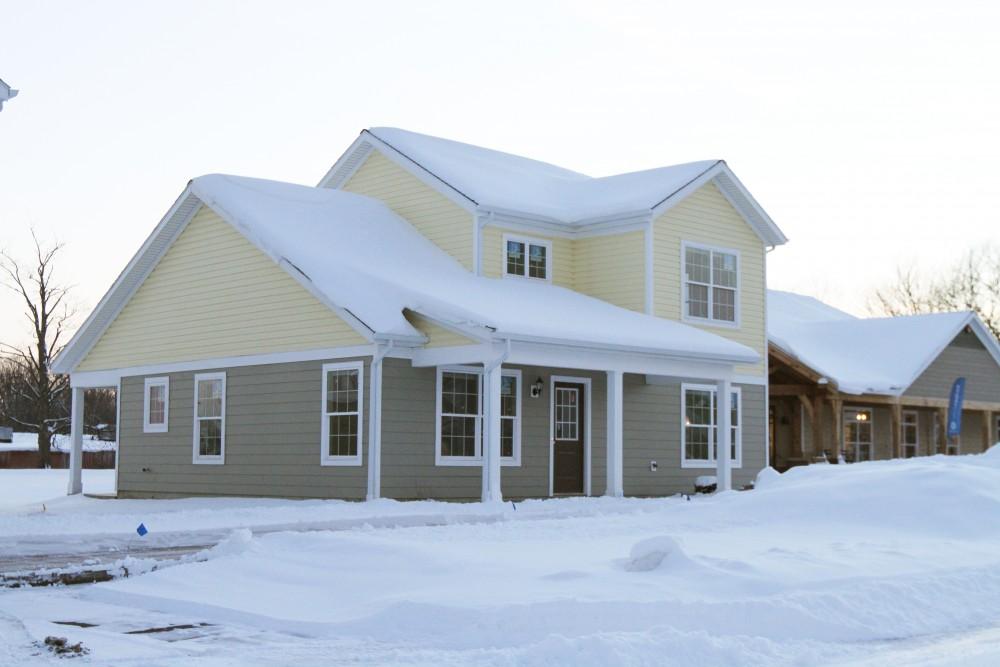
586	382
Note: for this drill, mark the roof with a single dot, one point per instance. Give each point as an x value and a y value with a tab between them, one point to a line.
361	258
882	355
493	181
6	93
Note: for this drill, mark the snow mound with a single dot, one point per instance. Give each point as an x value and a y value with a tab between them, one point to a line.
766	478
655	553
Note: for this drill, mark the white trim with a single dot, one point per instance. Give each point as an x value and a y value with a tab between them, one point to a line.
587	417
528	242
477	459
109	378
650	283
148	383
197	457
767	384
118	431
996	430
843	440
710	462
326	459
710	320
348	163
916	431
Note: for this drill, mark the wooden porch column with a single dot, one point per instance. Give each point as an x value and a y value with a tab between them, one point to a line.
838	428
76	452
986	428
897	431
491	434
817	426
724	436
942	443
811	414
615	482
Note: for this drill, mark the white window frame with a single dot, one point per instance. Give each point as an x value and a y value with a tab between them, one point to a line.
220	458
710	462
710	320
527	241
916	430
996	430
843	435
324	457
477	460
147	426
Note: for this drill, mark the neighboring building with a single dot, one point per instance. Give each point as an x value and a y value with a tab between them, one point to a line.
6	93
852	389
438	320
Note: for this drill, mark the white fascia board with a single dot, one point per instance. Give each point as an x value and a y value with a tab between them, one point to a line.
454	355
741	199
471	330
107	378
347	164
561	356
128	282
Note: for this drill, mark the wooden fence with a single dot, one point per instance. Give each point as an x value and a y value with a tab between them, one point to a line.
29	459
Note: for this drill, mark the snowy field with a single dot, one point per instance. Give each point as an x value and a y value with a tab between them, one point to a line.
35	486
28	442
867	564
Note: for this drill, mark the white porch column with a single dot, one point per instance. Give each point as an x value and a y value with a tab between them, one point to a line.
491	434
76	452
615	483
723	464
375	429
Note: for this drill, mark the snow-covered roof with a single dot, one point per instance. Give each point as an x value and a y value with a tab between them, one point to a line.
364	258
494	181
882	355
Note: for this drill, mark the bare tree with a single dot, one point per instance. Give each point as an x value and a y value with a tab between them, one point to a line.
46	308
973	283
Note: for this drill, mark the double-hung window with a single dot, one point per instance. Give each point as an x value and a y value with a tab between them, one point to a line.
156	405
460	416
910	434
858	434
343	402
711	284
210	418
699	434
527	258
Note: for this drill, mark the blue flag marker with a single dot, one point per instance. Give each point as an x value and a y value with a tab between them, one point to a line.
955	408
141	529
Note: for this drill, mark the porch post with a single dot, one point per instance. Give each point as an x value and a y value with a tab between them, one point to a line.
491	434
723	407
615	483
375	430
76	452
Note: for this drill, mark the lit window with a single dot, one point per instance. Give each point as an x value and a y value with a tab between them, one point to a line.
711	283
156	405
700	432
910	434
858	443
527	258
460	416
210	417
343	400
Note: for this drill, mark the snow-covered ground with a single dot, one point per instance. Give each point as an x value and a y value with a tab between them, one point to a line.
876	563
23	491
28	442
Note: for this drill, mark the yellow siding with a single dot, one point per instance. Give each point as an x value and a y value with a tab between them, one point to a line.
707	217
214	294
437	336
563	265
434	215
613	268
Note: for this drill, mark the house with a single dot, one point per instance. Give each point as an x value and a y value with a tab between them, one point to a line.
844	388
6	93
438	320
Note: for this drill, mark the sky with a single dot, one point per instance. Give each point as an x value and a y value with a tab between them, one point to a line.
868	131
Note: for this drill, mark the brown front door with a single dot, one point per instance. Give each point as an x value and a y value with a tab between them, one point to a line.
567	429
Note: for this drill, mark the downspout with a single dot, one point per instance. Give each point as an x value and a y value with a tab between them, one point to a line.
375	423
491	453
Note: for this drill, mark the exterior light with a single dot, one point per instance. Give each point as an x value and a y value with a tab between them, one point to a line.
861	416
536	388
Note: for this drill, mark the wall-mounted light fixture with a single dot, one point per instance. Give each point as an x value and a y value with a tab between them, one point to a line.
536	388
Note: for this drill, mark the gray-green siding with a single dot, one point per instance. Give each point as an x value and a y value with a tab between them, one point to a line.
964	357
273	438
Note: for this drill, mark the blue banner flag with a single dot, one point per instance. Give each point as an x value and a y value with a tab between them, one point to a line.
141	529
955	408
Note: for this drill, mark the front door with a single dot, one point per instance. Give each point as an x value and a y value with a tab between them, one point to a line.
567	429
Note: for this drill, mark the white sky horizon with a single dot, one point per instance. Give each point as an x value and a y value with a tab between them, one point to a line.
867	131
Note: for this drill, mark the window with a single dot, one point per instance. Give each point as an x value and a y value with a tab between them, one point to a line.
858	434
460	416
156	405
711	284
209	418
996	431
526	258
699	433
567	413
910	434
343	402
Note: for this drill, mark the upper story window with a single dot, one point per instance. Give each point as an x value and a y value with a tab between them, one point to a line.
711	284
527	258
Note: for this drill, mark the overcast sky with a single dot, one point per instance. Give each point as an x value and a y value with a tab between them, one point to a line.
869	132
